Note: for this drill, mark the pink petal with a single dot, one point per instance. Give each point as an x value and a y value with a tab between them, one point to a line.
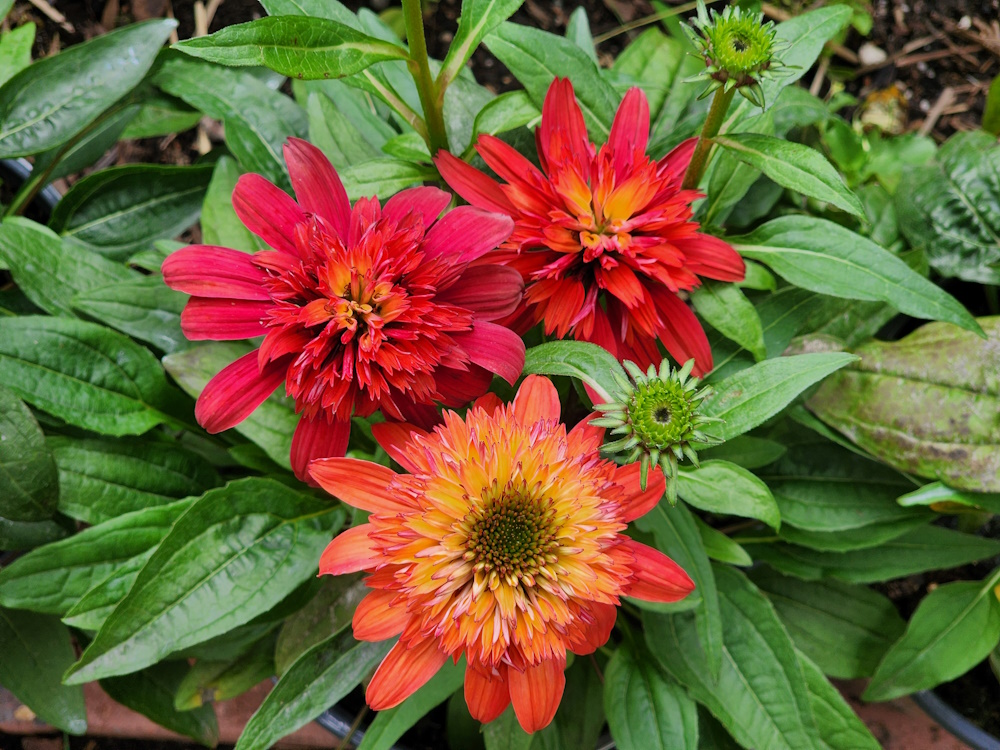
656	578
638	502
457	387
473	185
268	212
536	399
467	233
403	671
317	438
238	389
395	438
494	347
317	184
429	202
536	693
629	132
360	484
492	292
486	696
350	552
375	620
223	319
681	332
210	271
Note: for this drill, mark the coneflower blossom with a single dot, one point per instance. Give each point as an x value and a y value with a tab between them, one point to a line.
503	543
363	308
611	224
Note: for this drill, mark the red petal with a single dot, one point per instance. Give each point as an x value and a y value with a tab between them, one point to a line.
375	620
590	436
494	347
596	634
681	332
508	162
429	202
713	258
536	693
457	388
656	578
675	163
473	185
536	399
629	132
317	184
317	438
223	319
637	502
210	271
488	402
402	672
236	391
395	438
491	292
268	212
361	484
467	233
350	552
486	697
562	133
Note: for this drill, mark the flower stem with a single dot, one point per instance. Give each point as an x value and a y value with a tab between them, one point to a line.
437	137
716	116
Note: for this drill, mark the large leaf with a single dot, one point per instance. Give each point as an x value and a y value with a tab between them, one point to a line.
51	101
955	627
122	209
587	362
479	18
17	535
190	590
335	135
845	629
839	727
825	257
84	374
580	717
90	145
143	307
383	177
219	223
505	733
927	404
210	681
722	487
15	49
318	679
727	310
29	484
646	710
951	209
37	650
93	608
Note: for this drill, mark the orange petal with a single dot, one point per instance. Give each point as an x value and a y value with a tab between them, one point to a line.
656	578
536	399
536	693
349	552
395	438
638	502
488	402
361	484
486	696
594	635
402	672
375	620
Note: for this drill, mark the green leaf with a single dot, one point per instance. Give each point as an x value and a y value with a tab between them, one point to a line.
720	547
760	695
926	405
578	32
479	18
504	733
580	717
390	725
383	177
646	710
271	424
15	50
186	594
752	396
722	487
90	145
101	479
335	135
296	46
50	272
17	535
652	61
161	114
727	310
29	484
84	374
860	538
219	223
536	57
257	119
509	111
122	209
52	578
143	307
844	628
94	607
746	451
793	166
151	693
210	681
318	679
991	112
839	727
37	650
937	492
824	257
407	147
52	100
577	359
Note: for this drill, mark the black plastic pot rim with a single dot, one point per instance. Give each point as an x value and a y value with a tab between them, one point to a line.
954	722
21	168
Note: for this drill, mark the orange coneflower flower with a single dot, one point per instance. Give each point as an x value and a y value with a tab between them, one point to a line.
608	224
502	544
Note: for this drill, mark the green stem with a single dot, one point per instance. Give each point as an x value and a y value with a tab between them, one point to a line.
420	69
716	116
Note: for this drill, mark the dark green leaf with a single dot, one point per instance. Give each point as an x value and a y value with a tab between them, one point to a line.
746	451
479	18
17	535
580	717
143	307
860	538
504	733
937	492
92	143
211	681
839	727
727	310
94	607
29	484
728	489
991	112
577	359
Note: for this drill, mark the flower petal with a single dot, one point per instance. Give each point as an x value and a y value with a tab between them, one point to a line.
360	484
403	671
491	292
395	438
457	387
429	202
536	693
223	319
350	551
488	402
211	271
236	391
317	184
317	438
536	399
595	634
629	132
656	578
713	258
268	212
681	332
494	347
375	620
675	163
486	696
562	134
468	233
637	502
473	185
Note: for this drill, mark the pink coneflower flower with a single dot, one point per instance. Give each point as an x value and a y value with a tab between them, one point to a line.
503	543
609	226
363	308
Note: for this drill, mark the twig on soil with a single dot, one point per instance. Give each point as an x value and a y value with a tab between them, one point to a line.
54	15
817	82
945	100
644	21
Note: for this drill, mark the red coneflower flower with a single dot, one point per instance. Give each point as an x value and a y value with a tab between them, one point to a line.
502	544
611	221
374	307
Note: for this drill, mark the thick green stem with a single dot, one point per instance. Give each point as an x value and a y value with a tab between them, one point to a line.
716	116
437	137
